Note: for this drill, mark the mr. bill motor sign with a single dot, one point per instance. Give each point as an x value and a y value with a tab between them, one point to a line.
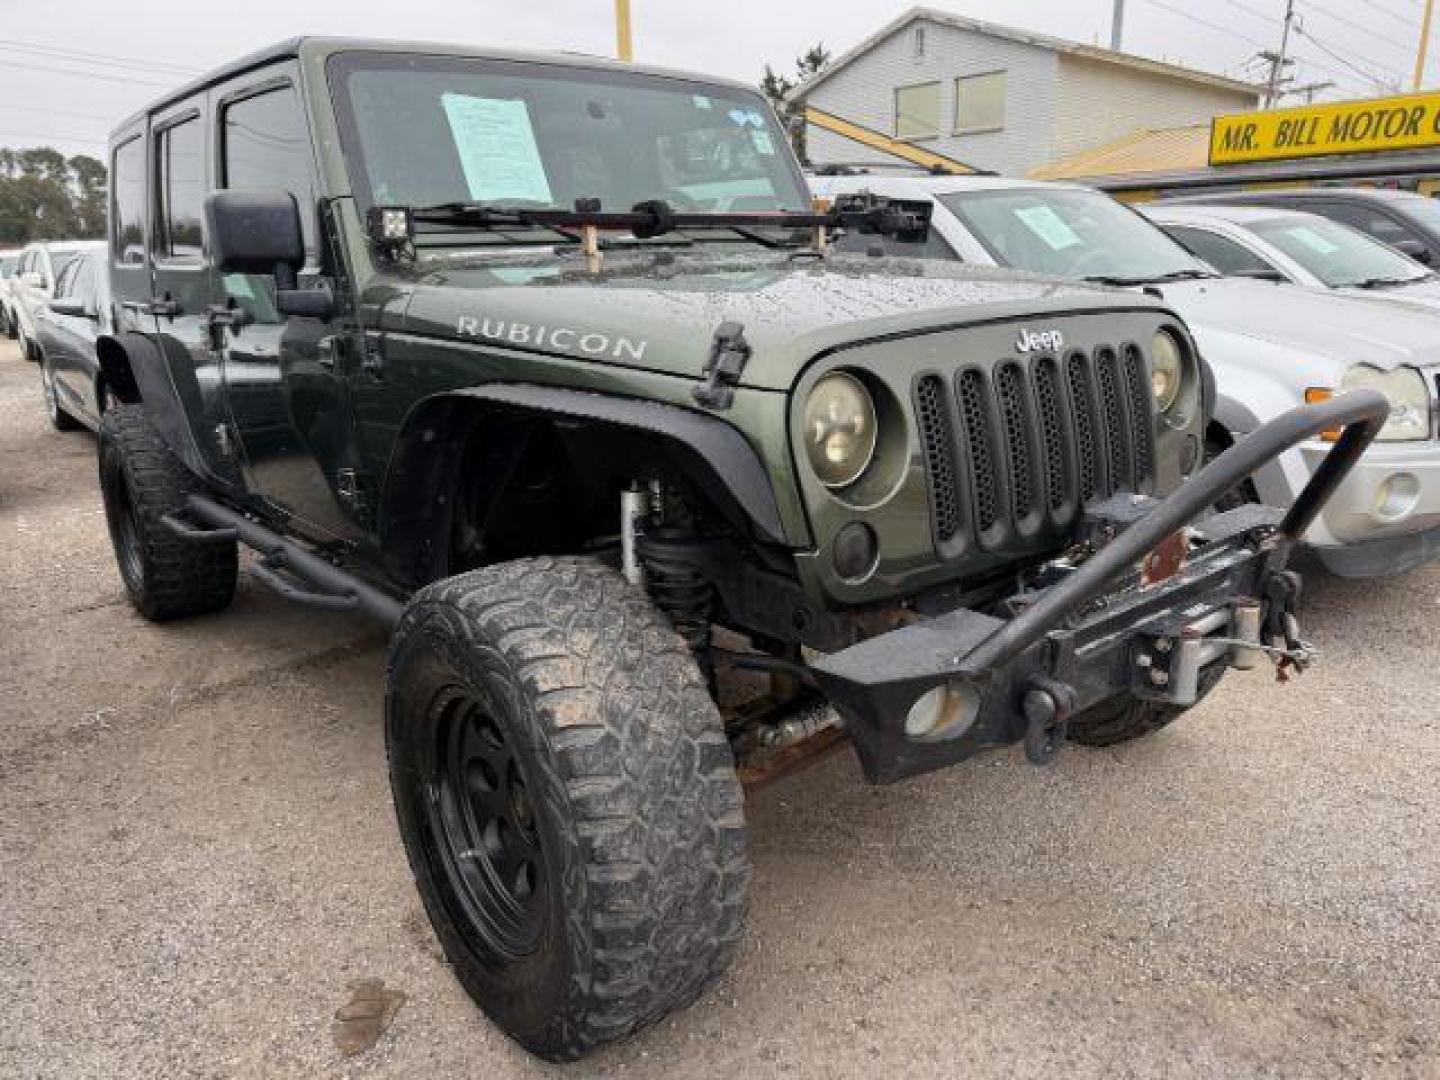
1408	122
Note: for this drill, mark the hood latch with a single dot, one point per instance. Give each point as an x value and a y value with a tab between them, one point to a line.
729	353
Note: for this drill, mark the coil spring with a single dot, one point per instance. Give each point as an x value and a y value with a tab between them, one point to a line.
683	593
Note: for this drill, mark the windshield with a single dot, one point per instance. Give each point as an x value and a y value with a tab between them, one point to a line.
1069	232
1425	210
1336	254
422	131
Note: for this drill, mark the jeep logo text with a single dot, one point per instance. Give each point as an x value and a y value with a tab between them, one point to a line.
1039	341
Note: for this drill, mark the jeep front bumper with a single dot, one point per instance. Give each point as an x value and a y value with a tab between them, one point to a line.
1102	630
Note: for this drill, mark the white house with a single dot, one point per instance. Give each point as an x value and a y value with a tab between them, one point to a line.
999	98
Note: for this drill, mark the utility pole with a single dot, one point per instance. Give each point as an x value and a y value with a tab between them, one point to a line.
1277	82
624	47
1424	45
1280	62
1117	25
1309	90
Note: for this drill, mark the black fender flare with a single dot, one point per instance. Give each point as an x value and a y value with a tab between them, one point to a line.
411	489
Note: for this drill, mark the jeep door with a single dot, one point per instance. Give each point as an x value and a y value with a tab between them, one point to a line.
182	282
289	405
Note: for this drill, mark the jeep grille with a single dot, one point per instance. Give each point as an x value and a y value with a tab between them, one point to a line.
1014	452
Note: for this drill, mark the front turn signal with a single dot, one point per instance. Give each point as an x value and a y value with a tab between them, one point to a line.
1314	396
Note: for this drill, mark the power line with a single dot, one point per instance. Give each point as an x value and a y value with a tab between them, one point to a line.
48	111
1346	20
77	56
51	136
1369	76
1229	32
91	75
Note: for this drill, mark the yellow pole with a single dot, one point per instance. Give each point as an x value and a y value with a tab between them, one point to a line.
1424	43
623	45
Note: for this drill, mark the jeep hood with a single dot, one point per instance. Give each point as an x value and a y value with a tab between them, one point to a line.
1314	323
660	313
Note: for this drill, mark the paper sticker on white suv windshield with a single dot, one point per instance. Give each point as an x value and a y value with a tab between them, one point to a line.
496	144
1049	226
1313	240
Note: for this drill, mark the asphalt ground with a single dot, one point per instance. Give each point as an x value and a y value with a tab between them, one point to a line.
198	857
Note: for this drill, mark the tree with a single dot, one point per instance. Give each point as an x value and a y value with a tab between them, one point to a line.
45	195
778	88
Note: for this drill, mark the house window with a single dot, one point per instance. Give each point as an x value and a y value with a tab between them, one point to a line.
919	43
917	111
980	103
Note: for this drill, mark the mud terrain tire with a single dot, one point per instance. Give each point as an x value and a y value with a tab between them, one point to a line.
567	799
166	576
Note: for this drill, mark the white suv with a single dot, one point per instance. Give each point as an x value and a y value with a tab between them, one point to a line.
33	284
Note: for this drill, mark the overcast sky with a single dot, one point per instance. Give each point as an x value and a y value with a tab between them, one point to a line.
69	70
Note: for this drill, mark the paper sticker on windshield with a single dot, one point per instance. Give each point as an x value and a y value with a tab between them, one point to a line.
700	101
497	148
763	143
746	118
1049	226
1313	240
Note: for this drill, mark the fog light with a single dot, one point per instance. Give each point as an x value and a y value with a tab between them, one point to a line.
1397	497
943	712
854	551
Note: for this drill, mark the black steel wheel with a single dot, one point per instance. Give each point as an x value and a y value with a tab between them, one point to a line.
483	824
567	799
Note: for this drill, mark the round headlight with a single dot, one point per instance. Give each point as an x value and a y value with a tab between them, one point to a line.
839	429
1167	369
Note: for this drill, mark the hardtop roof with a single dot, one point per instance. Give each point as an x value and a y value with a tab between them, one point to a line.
298	47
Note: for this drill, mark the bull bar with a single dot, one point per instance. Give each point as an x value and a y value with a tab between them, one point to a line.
1082	640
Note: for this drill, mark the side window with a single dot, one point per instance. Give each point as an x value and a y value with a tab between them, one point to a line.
1371	222
127	203
85	290
1224	254
65	283
180	154
266	145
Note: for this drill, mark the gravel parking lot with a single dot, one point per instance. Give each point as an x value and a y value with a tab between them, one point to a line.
197	857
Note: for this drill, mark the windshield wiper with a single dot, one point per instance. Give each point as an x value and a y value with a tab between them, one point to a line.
1388	282
393	226
1149	279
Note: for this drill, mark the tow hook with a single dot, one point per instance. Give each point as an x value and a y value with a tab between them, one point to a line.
1048	707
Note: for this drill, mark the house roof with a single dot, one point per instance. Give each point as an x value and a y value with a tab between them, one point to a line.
1025	37
1156	150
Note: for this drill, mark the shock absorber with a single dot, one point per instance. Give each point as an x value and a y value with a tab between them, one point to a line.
679	589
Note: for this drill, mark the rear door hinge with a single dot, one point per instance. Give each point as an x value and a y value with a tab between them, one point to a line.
729	353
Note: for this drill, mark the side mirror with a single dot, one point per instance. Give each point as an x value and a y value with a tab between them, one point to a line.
259	232
1414	248
69	305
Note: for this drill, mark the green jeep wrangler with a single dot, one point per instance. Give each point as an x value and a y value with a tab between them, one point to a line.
545	362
